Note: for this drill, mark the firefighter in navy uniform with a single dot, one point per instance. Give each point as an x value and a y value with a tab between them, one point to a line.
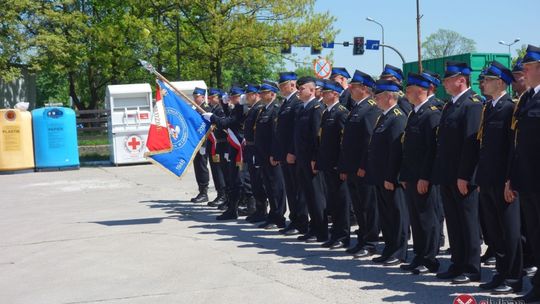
524	173
519	87
200	162
329	146
455	163
255	174
271	171
383	164
232	125
392	73
341	76
435	82
356	135
282	146
306	129
501	219
419	148
216	147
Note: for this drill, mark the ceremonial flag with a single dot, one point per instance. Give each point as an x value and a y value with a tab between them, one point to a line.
187	131
158	140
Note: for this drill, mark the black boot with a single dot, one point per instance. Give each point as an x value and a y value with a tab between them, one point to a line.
261	213
231	213
249	209
220	199
202	197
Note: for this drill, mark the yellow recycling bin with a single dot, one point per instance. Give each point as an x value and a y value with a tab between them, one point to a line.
16	144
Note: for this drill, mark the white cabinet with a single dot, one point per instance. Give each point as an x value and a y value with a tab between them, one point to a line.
130	116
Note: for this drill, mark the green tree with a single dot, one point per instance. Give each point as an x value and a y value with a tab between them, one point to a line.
15	36
225	28
78	47
446	43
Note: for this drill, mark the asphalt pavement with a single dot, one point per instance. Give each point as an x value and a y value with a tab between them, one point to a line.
130	235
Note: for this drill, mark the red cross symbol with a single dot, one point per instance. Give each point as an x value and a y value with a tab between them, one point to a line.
134	143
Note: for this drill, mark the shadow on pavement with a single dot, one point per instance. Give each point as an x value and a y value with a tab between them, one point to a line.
408	287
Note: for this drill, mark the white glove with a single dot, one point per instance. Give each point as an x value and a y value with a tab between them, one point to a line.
202	150
207	116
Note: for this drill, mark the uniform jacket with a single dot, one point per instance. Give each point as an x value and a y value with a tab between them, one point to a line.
249	132
525	160
358	128
384	150
220	135
404	104
457	145
284	142
265	132
330	135
306	130
436	102
495	138
346	100
234	121
420	143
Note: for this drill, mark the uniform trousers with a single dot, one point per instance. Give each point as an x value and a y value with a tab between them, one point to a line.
394	222
364	202
461	212
503	227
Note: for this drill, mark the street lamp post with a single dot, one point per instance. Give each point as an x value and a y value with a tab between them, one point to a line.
509	45
382	28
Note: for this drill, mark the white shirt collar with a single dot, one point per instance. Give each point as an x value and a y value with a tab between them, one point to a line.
386	112
307	102
417	108
455	98
332	105
494	101
268	105
290	95
359	102
536	89
429	97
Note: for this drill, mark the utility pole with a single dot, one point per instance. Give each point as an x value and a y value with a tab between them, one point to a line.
177	48
419	41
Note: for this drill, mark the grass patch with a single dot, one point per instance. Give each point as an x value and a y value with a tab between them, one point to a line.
94	141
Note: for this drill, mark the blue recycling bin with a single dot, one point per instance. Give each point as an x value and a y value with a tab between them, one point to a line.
55	138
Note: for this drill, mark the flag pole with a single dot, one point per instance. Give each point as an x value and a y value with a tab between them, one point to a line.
150	68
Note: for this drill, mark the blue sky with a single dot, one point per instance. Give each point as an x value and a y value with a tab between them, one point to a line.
485	21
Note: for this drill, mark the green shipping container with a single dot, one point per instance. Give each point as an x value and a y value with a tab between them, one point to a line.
477	62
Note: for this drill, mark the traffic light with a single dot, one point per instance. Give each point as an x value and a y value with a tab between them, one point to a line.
358	46
315	50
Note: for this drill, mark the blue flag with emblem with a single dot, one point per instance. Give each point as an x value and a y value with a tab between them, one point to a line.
187	130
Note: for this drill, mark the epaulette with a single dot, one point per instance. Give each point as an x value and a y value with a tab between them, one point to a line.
401	94
397	112
342	107
433	108
475	98
317	106
372	102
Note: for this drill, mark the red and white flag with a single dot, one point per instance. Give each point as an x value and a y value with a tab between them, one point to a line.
158	140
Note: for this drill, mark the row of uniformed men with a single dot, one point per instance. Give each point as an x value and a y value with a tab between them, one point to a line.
391	158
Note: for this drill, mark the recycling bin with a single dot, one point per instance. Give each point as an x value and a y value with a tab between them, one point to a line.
130	114
16	149
55	138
